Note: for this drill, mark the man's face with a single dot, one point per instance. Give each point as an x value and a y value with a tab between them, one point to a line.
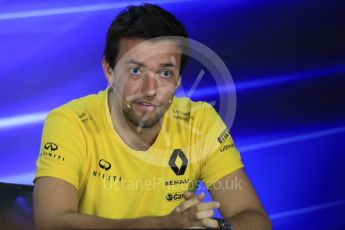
145	77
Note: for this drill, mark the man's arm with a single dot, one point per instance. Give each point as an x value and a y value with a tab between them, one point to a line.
239	203
56	206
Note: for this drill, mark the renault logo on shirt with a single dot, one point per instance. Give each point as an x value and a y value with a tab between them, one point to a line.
50	146
178	170
104	164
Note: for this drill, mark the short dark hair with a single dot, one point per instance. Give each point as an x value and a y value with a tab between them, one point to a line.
146	21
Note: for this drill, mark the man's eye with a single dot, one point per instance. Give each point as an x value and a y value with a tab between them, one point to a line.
135	71
166	74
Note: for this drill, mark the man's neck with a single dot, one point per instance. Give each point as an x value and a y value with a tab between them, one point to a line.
139	139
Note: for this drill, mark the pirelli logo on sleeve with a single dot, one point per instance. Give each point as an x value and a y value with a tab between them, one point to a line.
222	137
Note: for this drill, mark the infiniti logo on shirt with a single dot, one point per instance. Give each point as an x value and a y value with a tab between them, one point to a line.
50	146
104	164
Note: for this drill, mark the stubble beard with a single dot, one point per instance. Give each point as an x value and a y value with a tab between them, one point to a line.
142	122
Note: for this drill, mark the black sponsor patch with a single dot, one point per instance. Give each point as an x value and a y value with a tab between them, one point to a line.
222	137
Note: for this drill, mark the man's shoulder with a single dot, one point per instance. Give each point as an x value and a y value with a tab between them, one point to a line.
184	108
185	104
84	105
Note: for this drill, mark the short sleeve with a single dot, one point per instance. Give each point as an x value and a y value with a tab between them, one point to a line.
63	148
220	156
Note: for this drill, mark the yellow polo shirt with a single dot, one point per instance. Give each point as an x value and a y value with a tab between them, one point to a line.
80	146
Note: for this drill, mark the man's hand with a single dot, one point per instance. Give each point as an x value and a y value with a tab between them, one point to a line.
192	213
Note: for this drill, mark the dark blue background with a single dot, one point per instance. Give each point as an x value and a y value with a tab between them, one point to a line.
287	59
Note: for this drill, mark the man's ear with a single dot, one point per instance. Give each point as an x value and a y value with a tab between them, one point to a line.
108	71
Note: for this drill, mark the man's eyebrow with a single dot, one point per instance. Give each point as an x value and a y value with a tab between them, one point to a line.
168	65
135	62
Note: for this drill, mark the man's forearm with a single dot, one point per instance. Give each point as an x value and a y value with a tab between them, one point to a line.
250	219
76	221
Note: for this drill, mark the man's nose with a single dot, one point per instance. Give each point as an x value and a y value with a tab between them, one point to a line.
149	84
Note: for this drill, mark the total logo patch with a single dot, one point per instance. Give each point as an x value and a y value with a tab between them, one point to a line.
174	196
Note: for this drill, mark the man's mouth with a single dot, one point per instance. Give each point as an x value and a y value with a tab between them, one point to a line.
145	105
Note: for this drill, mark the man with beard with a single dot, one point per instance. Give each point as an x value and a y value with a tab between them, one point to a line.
131	156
